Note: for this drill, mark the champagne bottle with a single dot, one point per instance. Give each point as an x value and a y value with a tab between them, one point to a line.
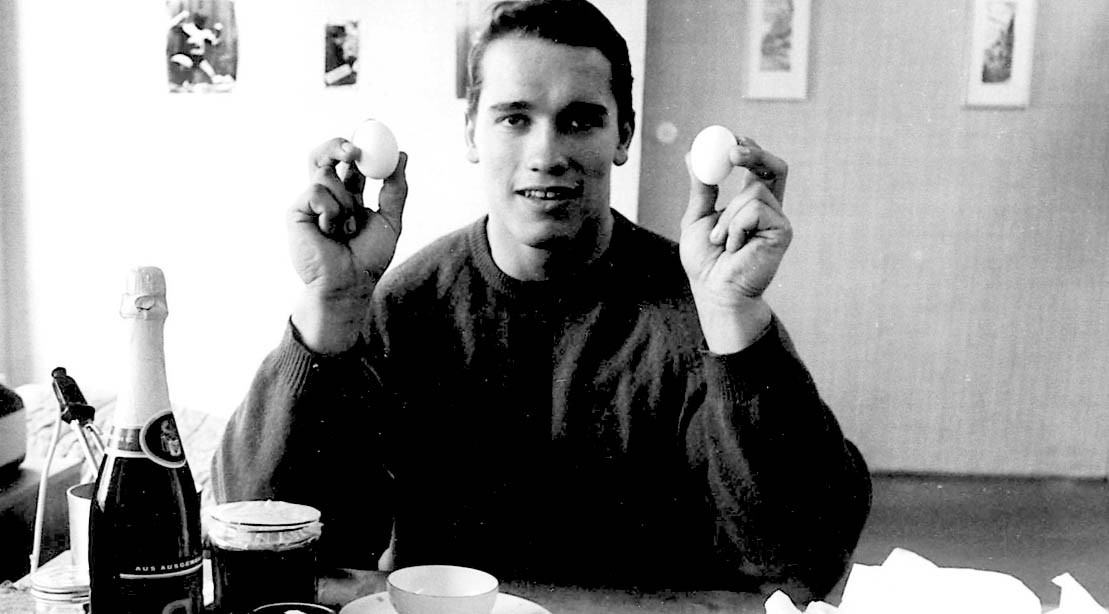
144	527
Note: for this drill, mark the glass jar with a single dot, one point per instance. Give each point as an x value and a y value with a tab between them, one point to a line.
263	552
60	590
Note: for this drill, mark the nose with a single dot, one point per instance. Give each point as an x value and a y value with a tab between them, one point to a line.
547	150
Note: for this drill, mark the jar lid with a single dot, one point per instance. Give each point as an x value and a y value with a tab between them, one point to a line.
61	584
262	525
264	515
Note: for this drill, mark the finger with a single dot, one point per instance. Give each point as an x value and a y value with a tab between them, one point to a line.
765	166
719	232
318	206
352	177
742	226
348	202
756	219
753	187
754	191
330	153
702	197
393	194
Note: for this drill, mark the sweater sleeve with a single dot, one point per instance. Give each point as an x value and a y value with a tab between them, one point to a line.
789	493
307	433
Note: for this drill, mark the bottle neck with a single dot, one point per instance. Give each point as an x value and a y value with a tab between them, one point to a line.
143	392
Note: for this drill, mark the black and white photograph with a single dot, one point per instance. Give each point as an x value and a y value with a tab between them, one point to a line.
777	49
680	306
341	41
470	15
201	46
1002	42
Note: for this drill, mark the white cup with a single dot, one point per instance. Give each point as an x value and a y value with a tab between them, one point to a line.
79	499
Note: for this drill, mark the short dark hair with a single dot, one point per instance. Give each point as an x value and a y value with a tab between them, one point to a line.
568	22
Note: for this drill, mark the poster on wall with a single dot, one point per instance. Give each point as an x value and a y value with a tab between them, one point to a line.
201	46
778	49
1001	53
340	64
470	18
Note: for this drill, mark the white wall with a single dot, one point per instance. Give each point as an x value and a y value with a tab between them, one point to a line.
117	171
948	280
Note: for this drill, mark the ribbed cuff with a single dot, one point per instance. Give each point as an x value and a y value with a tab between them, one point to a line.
296	364
757	367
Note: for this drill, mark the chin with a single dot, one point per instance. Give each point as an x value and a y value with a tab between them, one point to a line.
547	235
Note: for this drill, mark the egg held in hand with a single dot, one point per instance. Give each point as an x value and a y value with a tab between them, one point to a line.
379	154
709	154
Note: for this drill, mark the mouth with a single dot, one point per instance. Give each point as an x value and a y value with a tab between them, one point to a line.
550	197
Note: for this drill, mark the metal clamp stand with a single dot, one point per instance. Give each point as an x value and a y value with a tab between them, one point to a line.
64	584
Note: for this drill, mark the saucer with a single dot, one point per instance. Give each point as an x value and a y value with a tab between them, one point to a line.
378	603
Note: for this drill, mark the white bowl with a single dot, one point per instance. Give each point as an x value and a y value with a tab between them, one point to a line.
442	589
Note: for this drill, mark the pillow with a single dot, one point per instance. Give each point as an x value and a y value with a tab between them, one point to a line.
200	433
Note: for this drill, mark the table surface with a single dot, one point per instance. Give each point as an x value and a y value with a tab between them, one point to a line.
343	586
340	587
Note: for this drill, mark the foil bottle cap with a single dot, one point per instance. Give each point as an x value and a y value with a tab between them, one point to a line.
144	292
145	281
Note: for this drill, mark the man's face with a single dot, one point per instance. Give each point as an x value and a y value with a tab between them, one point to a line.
546	134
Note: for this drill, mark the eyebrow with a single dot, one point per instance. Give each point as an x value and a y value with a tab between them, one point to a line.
504	107
590	107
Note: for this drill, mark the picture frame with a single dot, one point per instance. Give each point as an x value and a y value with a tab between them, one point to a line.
471	16
341	42
778	49
202	46
1002	39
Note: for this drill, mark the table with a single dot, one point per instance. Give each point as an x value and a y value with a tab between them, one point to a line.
339	587
343	586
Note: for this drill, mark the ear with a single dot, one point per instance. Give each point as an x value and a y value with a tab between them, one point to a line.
471	147
627	129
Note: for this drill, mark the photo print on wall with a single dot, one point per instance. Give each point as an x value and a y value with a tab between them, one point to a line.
1000	73
340	65
778	49
201	46
471	16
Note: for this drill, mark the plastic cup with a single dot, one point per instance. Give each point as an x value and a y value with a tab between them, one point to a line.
79	500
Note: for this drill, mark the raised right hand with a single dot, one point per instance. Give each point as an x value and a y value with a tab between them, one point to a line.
340	248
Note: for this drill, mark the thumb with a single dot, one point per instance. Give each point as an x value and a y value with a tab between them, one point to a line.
394	192
702	197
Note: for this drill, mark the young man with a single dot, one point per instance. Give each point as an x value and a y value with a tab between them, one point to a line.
551	393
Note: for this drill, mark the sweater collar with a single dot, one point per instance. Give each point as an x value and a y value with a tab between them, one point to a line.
592	276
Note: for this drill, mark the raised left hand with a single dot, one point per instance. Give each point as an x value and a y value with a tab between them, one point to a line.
732	253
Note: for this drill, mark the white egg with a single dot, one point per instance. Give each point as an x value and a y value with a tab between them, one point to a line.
379	149
709	154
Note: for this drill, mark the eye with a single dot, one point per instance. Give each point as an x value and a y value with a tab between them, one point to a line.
513	120
584	122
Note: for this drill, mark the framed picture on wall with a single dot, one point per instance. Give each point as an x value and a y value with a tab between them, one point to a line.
340	64
778	49
1001	53
202	43
470	17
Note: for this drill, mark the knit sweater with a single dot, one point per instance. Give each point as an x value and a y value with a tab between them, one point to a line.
575	430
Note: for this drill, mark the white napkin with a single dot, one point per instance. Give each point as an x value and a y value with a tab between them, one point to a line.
780	603
907	583
1073	598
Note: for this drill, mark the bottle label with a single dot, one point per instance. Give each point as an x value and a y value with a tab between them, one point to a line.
157	440
165	570
158	594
